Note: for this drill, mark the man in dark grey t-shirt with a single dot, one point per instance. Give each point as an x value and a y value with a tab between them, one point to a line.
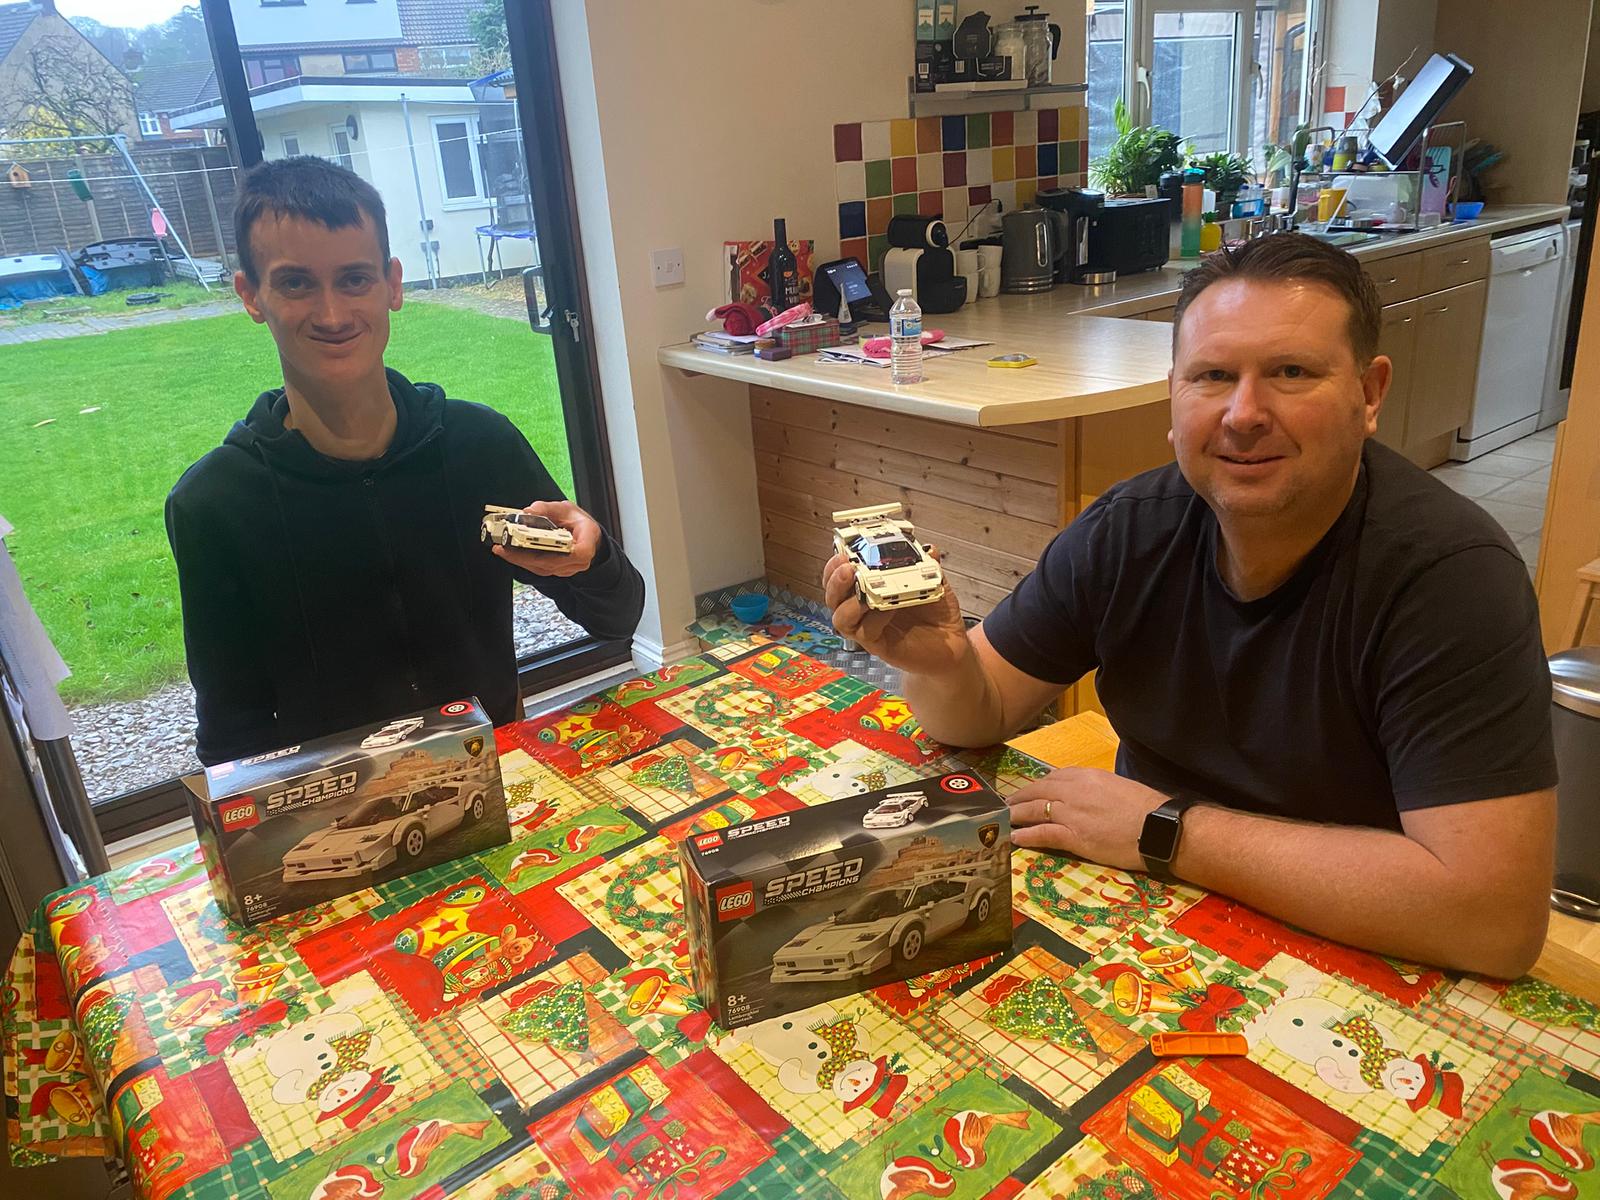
1324	666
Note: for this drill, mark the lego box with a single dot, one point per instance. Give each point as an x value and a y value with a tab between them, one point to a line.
306	824
788	911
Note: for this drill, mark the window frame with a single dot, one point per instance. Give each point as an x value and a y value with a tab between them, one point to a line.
286	139
1139	53
347	157
457	203
148	119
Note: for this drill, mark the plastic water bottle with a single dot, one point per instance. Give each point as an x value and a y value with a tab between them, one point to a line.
905	339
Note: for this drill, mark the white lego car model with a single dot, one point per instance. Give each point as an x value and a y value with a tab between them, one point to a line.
391	734
894	810
886	925
523	531
381	829
893	569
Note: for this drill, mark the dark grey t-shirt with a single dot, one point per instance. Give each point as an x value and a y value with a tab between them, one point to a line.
1400	667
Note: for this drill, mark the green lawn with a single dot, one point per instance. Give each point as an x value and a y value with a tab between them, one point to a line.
85	492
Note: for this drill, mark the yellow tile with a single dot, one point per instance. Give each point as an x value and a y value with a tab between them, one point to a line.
1074	123
1005	163
902	138
1025	191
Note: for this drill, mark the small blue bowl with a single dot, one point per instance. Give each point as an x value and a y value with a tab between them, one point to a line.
1467	211
750	607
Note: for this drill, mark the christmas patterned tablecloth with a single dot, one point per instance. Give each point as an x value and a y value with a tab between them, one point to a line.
574	1060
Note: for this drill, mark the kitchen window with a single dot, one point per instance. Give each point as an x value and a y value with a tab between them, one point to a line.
1223	74
456	139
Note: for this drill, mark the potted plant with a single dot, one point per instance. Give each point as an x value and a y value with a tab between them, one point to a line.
1225	175
1137	158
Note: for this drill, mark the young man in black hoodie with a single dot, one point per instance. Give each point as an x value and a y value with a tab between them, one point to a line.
328	553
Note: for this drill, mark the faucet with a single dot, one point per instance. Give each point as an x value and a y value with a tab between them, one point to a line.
1294	172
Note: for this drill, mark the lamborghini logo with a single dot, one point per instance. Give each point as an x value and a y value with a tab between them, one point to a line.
474	745
988	835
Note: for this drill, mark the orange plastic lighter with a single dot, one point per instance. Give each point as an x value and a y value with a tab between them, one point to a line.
1181	1045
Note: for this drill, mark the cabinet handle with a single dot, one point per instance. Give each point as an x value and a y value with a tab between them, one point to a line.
1465	262
1406	320
1392	279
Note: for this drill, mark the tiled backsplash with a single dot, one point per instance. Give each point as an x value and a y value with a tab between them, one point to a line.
949	166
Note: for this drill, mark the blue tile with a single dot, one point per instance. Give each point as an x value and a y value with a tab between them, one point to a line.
955	133
853	219
1047	158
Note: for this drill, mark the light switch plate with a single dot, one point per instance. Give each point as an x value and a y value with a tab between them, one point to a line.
666	266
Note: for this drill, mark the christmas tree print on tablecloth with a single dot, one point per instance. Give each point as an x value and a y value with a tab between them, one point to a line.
550	1012
1040	1009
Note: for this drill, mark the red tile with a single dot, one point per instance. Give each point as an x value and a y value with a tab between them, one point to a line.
955	169
928	136
979	195
1049	124
930	204
879	210
847	142
855	248
1333	100
1001	127
1048	181
903	174
1027	158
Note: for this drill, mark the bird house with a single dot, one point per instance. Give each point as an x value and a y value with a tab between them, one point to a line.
18	176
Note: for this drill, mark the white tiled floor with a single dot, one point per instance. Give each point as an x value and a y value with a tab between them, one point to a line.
1510	483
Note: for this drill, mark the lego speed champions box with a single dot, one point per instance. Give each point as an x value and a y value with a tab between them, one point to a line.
788	911
306	824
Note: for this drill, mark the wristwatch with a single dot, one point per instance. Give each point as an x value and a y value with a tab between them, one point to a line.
1158	840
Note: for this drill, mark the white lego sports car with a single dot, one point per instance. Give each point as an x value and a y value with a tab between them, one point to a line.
381	829
523	531
893	569
391	734
894	810
886	925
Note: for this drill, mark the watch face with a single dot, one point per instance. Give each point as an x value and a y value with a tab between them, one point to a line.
1159	838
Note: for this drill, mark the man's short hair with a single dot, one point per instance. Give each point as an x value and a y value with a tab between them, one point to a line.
1290	256
311	188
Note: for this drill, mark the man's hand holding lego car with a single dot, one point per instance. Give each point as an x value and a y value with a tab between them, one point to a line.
927	639
586	538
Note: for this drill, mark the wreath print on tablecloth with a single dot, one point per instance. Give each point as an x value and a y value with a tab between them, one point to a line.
1143	895
622	900
752	704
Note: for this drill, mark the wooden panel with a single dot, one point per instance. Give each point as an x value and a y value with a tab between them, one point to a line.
985	489
1398	278
1002	451
1449	332
1167	314
1397	338
796	564
1119	445
1455	264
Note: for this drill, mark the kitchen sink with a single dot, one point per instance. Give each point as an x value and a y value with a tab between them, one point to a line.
1343	237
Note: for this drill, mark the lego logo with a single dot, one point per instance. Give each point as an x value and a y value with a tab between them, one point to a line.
455	708
958	783
239	815
735	902
707	841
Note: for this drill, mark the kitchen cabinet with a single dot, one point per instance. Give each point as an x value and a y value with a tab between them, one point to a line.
1397	338
1449	332
1461	262
1398	278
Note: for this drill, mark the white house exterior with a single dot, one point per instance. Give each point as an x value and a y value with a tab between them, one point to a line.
363	125
315	22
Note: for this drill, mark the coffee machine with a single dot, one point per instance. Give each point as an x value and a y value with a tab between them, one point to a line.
919	258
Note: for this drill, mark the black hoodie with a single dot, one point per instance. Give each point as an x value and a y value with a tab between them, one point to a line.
321	594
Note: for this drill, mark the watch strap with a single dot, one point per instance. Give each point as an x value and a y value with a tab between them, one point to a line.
1169	814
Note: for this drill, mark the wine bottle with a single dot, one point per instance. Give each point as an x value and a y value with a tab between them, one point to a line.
783	273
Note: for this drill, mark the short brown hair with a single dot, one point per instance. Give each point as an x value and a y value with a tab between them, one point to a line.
1286	256
310	188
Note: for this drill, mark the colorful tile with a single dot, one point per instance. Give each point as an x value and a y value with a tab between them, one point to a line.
954	133
978	195
955	169
977	130
847	142
874	140
880	179
1333	100
929	139
980	167
1048	182
879	210
1026	162
1001	128
1067	160
1074	123
1025	191
902	138
930	171
930	204
905	205
877	244
955	209
1025	127
850	181
1045	159
1005	191
1049	124
903	173
853	219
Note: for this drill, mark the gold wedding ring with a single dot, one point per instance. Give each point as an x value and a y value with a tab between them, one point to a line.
1047	805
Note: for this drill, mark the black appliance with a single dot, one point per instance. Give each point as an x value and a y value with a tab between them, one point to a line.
1109	238
868	300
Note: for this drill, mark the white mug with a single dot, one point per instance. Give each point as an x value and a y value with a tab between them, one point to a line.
988	282
967	268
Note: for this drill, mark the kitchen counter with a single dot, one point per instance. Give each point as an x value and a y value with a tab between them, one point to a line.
1088	362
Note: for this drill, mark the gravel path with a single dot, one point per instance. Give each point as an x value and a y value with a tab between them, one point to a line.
126	744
